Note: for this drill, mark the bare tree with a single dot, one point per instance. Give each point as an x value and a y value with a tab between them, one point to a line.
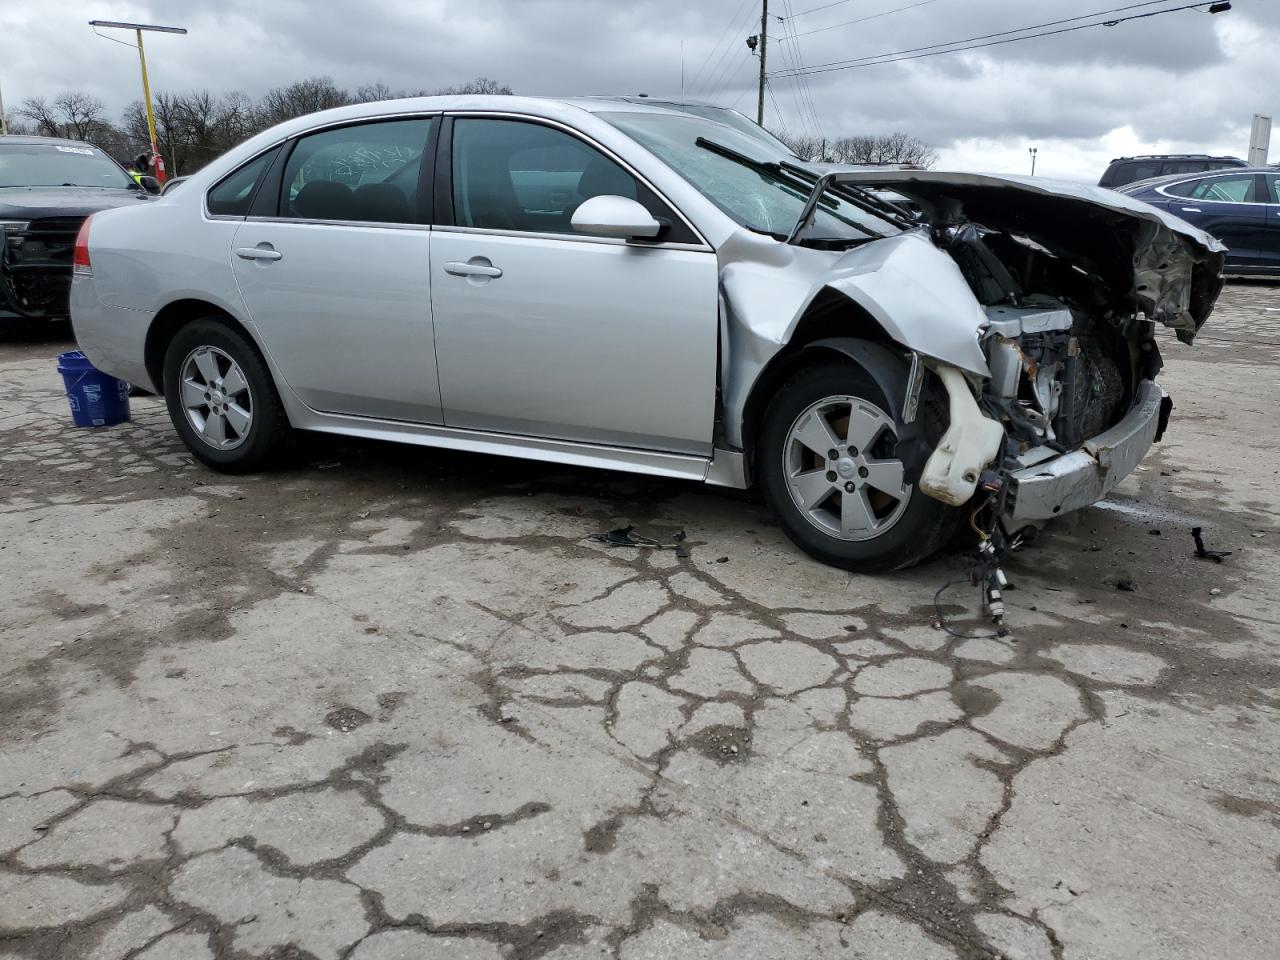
481	85
301	97
82	114
19	126
73	114
194	127
43	116
806	148
883	149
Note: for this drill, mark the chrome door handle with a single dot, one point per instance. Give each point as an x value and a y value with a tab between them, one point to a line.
1191	210
258	253
459	269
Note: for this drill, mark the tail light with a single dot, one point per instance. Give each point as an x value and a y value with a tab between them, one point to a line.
80	265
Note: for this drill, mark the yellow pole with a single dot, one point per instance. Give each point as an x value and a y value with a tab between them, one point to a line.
151	117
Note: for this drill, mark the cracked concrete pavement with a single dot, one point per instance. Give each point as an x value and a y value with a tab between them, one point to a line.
392	703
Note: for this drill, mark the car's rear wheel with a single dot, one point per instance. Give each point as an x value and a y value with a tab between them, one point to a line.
832	468
222	400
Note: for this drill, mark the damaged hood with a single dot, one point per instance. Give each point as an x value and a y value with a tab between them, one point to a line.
1163	266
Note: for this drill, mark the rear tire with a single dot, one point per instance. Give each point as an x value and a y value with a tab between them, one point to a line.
222	399
856	510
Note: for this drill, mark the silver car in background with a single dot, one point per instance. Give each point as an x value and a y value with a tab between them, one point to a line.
622	285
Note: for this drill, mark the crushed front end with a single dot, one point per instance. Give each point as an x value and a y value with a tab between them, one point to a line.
35	267
1074	282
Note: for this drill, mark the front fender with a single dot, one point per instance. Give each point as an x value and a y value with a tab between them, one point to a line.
917	293
913	291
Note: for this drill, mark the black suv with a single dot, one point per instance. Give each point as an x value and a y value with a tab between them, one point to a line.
47	189
1124	170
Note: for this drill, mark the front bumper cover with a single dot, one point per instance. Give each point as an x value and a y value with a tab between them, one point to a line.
1081	477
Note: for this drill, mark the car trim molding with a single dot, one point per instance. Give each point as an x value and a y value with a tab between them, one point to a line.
573	237
628	459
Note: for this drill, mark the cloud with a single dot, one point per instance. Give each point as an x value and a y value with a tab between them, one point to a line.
1181	81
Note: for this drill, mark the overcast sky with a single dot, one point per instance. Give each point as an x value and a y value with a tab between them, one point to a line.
1180	82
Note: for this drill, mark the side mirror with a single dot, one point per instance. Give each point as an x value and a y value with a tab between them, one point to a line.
610	216
149	184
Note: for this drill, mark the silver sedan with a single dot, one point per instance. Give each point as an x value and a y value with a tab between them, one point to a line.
654	289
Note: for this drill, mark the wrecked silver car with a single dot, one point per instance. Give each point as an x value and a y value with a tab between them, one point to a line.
627	286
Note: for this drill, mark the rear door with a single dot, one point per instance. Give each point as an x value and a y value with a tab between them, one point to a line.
336	274
546	332
1231	207
1269	255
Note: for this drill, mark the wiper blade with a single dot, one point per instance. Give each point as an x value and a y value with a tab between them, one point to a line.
776	170
858	196
808	182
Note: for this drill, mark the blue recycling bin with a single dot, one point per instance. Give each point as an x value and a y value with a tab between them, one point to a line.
97	399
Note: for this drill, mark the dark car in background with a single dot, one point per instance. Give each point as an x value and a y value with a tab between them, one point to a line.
1125	170
1241	207
47	189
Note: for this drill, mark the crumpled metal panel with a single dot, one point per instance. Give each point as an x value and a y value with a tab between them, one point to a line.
1081	477
1175	267
909	286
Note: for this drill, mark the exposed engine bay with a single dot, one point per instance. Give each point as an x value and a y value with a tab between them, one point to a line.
1063	361
1072	284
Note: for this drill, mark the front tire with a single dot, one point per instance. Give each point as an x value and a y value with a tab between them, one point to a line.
832	469
222	400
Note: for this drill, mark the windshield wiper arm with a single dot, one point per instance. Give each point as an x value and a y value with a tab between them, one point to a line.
801	179
858	196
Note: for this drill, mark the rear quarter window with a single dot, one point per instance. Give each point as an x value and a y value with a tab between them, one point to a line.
232	195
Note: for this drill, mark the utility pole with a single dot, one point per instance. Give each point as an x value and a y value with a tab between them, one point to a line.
1033	151
764	42
4	127
157	161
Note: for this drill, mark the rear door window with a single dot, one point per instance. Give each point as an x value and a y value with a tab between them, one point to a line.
365	173
1235	189
1182	189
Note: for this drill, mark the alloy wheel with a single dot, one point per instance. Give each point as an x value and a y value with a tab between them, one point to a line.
216	398
840	468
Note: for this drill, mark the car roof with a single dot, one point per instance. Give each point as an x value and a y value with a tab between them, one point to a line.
1176	156
12	138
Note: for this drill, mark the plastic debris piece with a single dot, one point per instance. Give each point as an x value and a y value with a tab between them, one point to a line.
627	537
1204	554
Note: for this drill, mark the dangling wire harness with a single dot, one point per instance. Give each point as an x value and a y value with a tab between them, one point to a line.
987	572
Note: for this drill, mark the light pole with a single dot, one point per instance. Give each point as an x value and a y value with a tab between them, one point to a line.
1033	151
157	161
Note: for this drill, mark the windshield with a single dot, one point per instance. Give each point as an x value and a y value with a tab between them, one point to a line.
59	165
732	118
759	199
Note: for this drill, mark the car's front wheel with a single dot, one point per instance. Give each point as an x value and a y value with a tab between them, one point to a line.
831	466
221	398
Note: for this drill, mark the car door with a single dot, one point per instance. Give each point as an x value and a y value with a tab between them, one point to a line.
1269	255
336	273
546	332
1230	206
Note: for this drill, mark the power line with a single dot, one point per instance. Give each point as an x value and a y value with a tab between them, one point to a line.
788	58
1001	33
874	16
693	81
723	67
806	93
958	46
805	13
